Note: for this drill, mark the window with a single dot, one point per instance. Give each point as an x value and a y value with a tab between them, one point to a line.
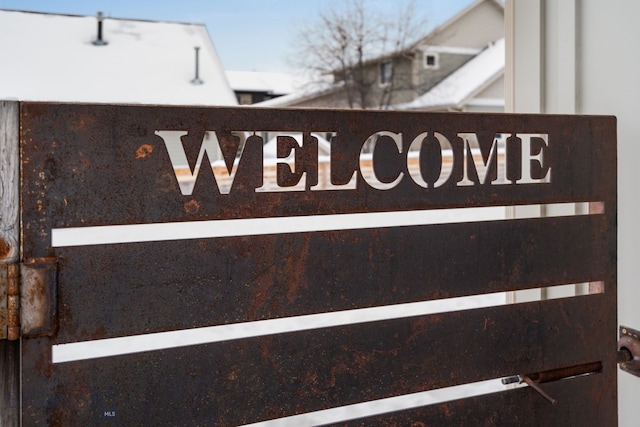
386	73
245	98
430	60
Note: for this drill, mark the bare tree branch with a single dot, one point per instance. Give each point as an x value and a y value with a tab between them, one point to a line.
346	42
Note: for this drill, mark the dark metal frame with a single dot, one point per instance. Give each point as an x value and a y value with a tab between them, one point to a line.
83	165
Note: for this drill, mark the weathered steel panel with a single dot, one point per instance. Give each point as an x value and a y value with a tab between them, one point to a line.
92	165
227	280
249	380
95	165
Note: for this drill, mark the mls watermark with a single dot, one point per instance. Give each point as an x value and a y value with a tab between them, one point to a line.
104	403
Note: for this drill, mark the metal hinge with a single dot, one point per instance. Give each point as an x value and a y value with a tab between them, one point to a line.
629	350
28	299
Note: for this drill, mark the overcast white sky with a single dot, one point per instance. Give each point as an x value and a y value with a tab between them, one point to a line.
248	34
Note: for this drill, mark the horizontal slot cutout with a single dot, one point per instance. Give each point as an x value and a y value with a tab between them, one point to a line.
420	399
110	347
156	232
383	406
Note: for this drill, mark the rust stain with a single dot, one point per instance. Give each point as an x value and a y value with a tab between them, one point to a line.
296	270
99	333
44	367
86	163
36	292
192	206
68	402
81	122
166	183
263	281
143	151
77	124
5	248
422	325
266	347
488	323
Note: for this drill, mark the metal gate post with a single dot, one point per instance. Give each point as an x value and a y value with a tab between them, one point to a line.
9	254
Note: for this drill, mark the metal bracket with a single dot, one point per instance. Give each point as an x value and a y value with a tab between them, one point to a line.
532	380
38	297
28	299
629	350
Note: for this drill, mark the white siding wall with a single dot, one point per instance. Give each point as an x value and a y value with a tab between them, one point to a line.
476	29
580	56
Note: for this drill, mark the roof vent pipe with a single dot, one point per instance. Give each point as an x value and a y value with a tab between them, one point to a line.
99	41
196	80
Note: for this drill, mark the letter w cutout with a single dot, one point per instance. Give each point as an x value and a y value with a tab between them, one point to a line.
210	145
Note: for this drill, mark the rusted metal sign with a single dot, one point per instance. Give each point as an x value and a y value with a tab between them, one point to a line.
269	264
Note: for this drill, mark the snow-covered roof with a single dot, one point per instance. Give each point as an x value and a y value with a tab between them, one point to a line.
310	90
49	57
463	83
272	83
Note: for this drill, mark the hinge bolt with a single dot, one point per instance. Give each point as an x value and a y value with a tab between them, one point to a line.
13	301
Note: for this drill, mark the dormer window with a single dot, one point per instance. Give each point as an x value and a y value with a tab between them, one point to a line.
431	60
386	73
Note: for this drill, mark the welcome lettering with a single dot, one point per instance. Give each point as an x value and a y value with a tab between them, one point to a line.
473	160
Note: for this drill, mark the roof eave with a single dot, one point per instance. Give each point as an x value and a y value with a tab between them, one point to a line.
451	21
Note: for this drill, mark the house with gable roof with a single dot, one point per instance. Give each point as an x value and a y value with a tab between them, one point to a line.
466	53
70	58
477	86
